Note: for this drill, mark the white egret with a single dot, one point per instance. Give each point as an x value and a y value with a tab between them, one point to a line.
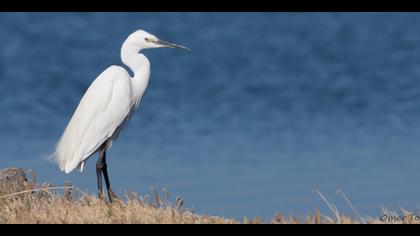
105	108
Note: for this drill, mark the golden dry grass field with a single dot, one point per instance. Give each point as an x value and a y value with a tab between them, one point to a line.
44	204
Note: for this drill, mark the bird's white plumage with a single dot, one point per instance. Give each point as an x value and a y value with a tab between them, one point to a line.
101	112
107	104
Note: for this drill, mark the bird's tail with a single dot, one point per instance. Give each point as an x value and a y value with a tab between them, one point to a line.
65	152
58	156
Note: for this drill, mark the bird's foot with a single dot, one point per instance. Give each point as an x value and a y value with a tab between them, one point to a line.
112	196
101	195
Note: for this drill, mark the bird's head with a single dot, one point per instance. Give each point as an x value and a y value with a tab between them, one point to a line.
145	40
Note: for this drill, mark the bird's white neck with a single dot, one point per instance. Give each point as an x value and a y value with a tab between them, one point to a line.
132	57
140	66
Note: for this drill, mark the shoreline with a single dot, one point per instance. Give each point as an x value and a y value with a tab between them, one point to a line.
25	201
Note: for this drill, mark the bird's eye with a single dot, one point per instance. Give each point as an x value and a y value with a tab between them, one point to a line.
146	39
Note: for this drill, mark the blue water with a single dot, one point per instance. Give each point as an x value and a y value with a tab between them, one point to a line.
265	109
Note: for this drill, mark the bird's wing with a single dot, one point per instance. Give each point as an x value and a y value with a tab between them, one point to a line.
102	110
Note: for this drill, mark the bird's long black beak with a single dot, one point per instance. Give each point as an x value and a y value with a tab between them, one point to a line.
171	45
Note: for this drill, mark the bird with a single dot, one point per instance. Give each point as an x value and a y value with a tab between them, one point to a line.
105	108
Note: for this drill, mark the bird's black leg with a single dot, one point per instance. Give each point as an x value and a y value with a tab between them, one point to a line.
102	168
111	194
99	167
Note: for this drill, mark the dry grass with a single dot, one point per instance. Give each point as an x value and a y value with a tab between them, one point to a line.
43	204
